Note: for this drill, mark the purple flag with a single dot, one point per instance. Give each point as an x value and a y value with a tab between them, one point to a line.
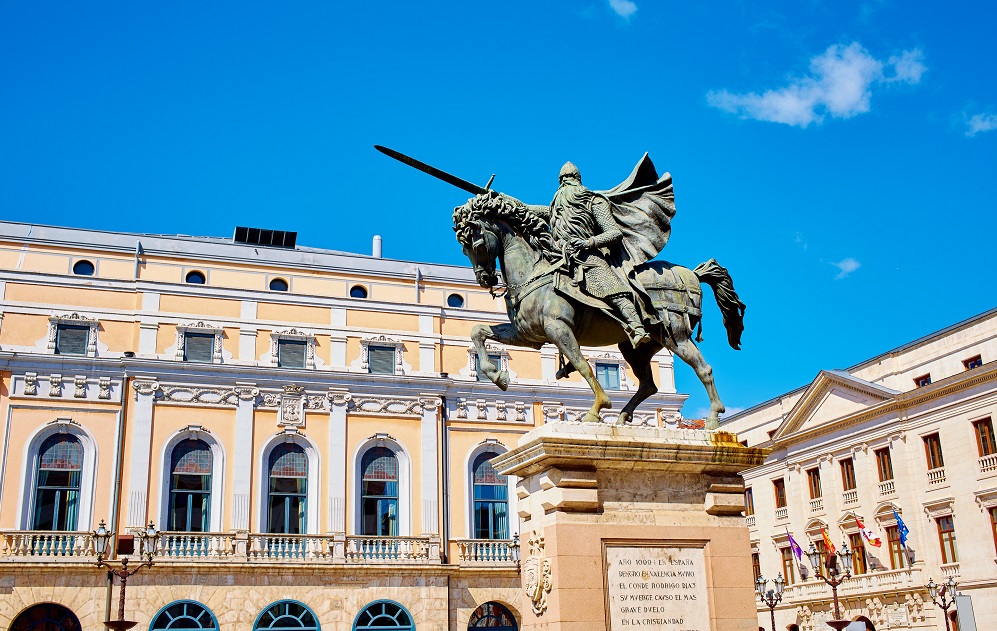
797	550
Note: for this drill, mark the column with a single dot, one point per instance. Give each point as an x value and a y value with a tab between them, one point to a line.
138	473
430	463
242	457
339	402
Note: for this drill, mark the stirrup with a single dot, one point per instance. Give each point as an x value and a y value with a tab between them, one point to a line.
638	336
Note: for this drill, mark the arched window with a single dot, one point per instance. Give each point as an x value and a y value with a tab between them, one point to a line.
83	268
184	614
288	489
455	300
57	486
278	284
491	499
286	615
379	493
492	616
384	615
195	278
358	291
46	617
190	487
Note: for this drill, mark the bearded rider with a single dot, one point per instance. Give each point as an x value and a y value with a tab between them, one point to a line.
585	232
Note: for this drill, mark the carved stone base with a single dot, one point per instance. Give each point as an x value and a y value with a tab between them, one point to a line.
629	526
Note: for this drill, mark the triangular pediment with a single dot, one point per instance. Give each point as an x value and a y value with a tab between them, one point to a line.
834	395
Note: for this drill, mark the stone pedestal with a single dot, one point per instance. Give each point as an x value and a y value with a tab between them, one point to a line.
633	528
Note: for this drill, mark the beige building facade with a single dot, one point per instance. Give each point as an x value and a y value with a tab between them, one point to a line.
305	427
909	431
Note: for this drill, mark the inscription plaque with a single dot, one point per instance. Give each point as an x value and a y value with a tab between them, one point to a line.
657	587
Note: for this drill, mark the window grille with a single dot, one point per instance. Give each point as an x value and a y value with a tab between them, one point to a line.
199	347
286	615
384	616
72	340
381	360
183	614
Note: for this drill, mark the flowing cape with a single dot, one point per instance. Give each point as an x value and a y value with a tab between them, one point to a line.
643	206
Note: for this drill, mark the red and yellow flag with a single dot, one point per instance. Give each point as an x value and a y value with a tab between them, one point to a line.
827	543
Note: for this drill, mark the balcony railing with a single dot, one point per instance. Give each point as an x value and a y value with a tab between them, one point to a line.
488	552
195	545
850	497
63	545
749	521
872	582
950	570
988	464
886	487
817	505
936	476
782	513
392	549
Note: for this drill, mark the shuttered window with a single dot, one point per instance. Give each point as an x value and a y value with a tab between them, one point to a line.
291	353
72	340
199	347
381	360
608	376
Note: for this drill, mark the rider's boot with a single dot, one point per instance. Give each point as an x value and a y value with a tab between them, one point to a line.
634	327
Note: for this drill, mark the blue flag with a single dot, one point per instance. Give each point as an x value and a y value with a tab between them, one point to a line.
901	528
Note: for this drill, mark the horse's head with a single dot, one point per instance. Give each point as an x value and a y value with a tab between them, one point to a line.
479	238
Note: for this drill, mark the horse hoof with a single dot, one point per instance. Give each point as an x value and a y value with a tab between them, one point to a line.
503	380
591	418
624	418
560	374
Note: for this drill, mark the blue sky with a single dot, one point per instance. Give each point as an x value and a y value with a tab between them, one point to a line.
838	158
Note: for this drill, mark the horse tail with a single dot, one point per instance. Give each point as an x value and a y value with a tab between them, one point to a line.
717	277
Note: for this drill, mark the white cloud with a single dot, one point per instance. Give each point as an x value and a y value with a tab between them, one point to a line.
979	123
846	267
623	8
839	85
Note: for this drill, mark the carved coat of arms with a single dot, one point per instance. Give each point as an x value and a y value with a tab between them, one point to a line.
536	574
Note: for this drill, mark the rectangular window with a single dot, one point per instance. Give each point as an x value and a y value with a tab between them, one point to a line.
199	347
884	463
71	340
858	556
780	492
946	539
848	474
933	451
993	523
898	557
973	362
756	566
608	376
494	360
381	360
291	353
813	482
749	503
922	381
985	437
788	565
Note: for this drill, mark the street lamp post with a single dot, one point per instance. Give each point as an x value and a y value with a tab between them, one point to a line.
943	596
771	597
101	538
833	576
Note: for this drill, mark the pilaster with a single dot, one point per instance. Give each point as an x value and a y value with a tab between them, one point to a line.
243	454
141	450
339	403
430	463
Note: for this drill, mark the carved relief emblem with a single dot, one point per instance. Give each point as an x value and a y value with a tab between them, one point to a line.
292	406
536	574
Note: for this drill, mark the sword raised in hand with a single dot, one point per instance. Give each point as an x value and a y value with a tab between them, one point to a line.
453	180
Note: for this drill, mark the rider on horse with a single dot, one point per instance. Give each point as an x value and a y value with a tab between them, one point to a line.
588	240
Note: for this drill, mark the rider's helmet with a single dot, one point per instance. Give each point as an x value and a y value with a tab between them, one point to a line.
569	170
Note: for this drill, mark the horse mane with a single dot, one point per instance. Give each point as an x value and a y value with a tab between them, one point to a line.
492	205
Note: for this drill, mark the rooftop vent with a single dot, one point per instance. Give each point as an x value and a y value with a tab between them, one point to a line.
262	236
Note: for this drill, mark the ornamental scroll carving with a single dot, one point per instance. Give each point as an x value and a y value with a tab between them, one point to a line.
537	574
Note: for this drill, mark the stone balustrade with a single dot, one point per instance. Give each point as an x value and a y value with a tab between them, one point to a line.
244	547
936	476
950	570
488	552
872	582
850	497
886	487
817	505
782	513
749	521
25	545
988	464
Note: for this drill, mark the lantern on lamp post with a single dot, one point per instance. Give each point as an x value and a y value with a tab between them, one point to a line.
832	575
943	596
771	597
102	538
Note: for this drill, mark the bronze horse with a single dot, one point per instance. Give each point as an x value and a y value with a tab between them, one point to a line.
494	227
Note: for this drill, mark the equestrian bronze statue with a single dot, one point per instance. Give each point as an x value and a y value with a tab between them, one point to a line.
580	272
